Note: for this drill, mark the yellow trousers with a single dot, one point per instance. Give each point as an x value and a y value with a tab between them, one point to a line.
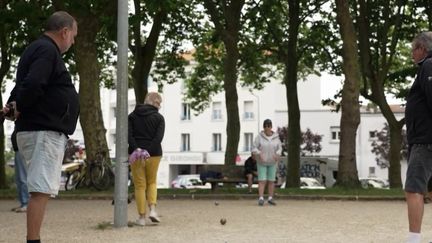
144	174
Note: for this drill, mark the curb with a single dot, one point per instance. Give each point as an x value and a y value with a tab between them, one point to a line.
225	196
279	197
231	197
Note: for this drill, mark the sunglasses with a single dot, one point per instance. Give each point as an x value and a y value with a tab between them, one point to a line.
267	125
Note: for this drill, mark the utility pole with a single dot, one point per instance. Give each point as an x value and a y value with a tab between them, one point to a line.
121	169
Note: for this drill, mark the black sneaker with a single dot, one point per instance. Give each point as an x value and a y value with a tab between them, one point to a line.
260	202
271	202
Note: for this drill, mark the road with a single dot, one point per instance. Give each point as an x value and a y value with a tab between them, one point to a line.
199	221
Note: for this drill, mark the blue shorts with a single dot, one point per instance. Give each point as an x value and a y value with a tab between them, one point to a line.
43	152
419	168
266	172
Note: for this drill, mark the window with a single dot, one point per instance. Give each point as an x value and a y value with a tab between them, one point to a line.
248	110
185	142
185	111
335	134
217	111
217	142
373	135
248	138
114	111
113	138
371	171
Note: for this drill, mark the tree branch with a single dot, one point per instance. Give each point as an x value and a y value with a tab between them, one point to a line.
214	16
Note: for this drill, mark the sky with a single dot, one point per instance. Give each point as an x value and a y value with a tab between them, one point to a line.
333	84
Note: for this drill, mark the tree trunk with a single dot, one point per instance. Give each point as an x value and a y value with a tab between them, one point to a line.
394	171
231	99
144	55
294	131
90	107
227	27
291	68
4	69
347	172
3	182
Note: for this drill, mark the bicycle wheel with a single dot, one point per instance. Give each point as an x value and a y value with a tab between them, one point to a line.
73	180
100	177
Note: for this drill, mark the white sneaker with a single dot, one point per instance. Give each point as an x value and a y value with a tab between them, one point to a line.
154	217
140	222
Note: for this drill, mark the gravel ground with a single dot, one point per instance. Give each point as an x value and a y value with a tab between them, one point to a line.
199	221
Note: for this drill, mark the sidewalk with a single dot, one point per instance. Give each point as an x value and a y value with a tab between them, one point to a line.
198	221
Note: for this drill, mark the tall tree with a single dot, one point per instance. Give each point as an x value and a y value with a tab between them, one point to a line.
144	53
284	28
16	32
350	118
160	52
380	28
6	56
225	16
94	19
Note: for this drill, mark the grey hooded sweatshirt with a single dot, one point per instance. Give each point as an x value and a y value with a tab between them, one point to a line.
267	147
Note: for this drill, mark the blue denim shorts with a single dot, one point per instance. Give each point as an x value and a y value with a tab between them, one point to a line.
419	168
43	152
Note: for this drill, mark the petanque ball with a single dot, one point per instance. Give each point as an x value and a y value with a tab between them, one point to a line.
223	221
216	203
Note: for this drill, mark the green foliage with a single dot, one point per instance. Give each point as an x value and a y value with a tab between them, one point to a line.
9	155
381	146
176	31
207	76
310	142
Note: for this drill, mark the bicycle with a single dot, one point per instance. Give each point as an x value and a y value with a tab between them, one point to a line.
100	174
75	174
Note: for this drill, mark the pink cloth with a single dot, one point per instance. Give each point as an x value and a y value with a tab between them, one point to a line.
138	154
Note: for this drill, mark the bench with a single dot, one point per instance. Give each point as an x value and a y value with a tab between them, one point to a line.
214	182
230	174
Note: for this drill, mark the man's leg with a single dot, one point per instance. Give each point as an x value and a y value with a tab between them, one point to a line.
415	211
21	181
35	213
249	180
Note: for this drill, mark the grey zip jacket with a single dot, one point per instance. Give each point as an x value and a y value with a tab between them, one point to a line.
266	147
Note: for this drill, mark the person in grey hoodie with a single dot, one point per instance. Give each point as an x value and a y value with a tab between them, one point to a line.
267	150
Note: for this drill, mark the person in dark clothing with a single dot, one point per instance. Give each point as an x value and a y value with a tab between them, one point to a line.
418	115
46	111
146	131
20	177
250	171
210	174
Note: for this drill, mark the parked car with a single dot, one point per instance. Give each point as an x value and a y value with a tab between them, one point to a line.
374	182
190	182
308	183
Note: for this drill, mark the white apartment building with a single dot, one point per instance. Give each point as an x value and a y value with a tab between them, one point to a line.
192	140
